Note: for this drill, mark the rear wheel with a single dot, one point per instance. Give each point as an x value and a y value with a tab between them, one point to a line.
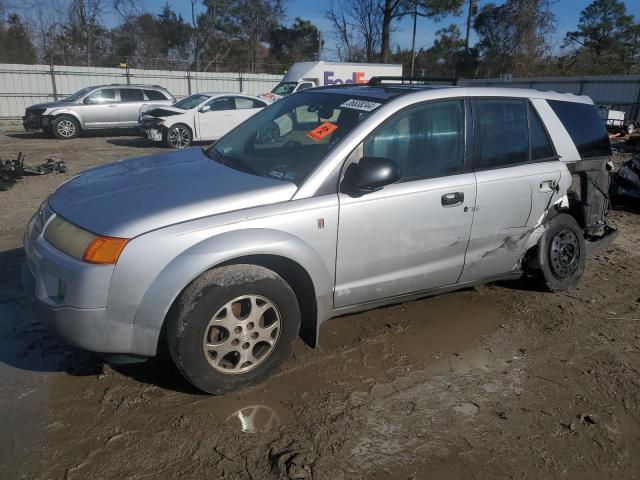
233	327
178	136
65	127
559	258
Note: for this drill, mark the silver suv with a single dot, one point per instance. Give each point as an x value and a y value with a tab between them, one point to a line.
330	201
102	107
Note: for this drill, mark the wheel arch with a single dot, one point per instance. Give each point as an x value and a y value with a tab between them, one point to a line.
289	256
66	112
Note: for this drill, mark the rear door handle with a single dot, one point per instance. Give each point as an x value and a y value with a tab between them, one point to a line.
452	199
548	185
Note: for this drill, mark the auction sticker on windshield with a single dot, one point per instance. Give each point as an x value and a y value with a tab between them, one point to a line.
364	105
322	131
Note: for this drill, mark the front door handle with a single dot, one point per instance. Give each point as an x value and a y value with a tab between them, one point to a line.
452	199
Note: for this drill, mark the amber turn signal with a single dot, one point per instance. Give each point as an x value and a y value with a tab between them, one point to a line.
104	250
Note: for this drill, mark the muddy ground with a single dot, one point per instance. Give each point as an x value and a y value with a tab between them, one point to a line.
500	381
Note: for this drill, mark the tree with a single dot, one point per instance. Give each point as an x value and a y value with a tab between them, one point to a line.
297	43
344	32
514	37
447	57
394	9
15	43
606	39
85	26
174	32
250	22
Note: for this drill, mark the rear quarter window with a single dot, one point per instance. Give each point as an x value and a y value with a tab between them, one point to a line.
155	95
585	127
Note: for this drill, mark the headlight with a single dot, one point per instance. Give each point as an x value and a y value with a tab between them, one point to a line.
82	244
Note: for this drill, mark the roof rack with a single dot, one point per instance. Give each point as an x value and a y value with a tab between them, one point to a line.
378	81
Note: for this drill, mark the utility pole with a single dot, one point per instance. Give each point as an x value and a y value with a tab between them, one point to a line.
319	45
472	11
413	39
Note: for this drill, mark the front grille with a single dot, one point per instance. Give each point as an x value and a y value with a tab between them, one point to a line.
36	112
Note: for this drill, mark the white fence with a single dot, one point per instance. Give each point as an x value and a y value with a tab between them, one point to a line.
621	92
24	85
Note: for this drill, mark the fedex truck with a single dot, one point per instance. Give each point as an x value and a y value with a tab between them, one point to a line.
316	74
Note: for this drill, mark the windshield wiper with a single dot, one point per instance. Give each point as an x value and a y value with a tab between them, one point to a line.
233	162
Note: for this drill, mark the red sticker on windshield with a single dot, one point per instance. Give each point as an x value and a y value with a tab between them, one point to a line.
322	131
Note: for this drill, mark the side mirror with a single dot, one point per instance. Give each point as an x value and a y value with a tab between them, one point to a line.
370	174
206	108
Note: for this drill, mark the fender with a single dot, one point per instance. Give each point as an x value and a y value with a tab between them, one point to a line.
65	111
224	248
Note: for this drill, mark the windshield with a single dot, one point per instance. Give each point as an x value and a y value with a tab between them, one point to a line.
284	88
78	95
288	139
191	101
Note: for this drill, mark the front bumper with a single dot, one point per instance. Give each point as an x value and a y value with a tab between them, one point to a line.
70	299
152	134
34	122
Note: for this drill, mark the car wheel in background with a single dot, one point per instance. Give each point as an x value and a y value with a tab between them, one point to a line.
232	327
65	127
178	136
559	258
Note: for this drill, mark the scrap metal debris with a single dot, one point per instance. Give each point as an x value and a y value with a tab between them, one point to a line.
13	170
626	183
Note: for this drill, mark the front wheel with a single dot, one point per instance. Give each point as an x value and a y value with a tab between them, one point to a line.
65	127
233	327
559	258
178	136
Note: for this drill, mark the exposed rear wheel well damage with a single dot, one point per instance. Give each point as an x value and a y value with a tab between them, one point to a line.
292	273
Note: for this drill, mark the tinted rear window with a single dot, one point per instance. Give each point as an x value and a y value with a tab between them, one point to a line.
585	127
155	95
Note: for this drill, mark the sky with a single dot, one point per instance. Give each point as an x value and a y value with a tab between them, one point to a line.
567	14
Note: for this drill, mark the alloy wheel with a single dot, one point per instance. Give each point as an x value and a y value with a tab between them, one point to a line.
179	137
66	128
242	334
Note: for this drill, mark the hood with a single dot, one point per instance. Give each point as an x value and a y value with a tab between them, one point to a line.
60	103
161	110
131	197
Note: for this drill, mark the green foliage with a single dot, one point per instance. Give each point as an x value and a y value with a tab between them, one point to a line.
607	40
296	43
513	38
14	37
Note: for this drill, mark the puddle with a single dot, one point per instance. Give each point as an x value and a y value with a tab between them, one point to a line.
254	419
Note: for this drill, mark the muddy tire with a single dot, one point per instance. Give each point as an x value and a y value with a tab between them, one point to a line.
233	327
557	262
179	136
65	127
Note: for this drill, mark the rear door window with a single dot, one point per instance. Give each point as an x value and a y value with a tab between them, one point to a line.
131	95
585	127
501	132
541	148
